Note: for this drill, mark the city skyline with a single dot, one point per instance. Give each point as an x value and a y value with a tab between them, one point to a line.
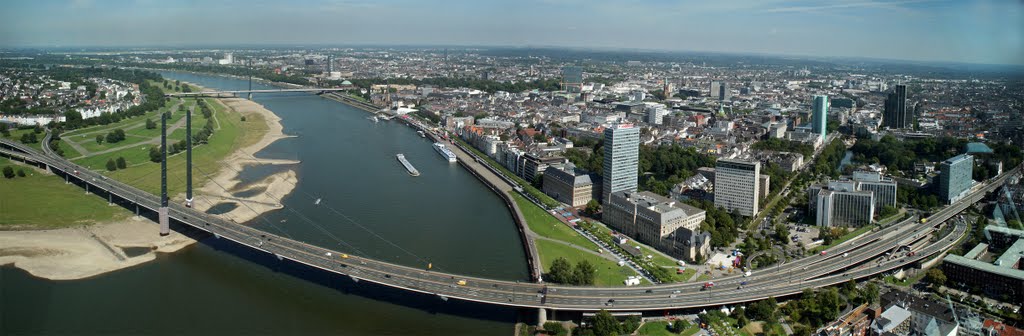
944	31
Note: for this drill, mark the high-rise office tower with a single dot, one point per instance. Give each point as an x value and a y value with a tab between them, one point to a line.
714	88
621	159
723	91
736	185
819	120
572	78
956	177
896	114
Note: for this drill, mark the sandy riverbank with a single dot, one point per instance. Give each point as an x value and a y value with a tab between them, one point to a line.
76	253
222	187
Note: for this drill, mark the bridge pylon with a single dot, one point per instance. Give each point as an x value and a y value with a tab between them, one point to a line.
165	224
188	157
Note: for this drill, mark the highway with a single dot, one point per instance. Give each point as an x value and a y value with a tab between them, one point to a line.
791	278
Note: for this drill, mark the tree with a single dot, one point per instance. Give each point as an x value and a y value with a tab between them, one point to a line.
554	328
887	211
154	154
121	163
584	273
111	165
801	330
561	271
593	207
871	292
21	172
605	324
28	138
150	124
8	172
99	139
38	129
935	276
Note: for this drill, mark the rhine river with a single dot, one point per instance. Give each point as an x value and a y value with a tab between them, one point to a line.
369	206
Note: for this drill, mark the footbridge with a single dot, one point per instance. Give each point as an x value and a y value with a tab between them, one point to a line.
850	260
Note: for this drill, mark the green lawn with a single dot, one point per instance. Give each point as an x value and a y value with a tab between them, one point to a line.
659	260
233	134
897	216
608	272
843	239
17	133
660	328
544	224
40	201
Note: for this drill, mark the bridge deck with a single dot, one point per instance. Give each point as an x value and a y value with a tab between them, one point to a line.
788	279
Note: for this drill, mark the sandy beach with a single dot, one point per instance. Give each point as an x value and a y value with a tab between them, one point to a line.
76	253
81	252
274	187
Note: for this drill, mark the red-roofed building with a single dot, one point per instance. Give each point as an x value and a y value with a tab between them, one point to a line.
993	328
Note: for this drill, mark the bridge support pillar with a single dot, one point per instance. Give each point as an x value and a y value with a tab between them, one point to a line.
188	158
542	316
165	225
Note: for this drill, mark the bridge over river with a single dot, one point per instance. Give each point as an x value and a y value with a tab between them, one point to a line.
863	256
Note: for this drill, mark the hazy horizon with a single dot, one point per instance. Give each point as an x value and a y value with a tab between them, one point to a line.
971	32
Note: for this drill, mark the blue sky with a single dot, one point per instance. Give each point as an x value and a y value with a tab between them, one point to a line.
982	31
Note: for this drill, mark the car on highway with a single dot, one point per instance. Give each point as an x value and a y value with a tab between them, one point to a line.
823	253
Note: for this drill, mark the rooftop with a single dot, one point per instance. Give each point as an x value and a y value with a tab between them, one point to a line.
1003	266
978	148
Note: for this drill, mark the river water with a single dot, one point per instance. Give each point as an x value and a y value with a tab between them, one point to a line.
370	206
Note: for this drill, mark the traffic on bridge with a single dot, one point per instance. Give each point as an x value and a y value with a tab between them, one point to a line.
860	258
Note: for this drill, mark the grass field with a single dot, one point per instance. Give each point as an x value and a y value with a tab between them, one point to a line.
544	224
17	133
608	273
660	328
843	239
206	158
40	201
658	259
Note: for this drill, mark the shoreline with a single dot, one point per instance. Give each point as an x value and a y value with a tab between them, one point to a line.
94	249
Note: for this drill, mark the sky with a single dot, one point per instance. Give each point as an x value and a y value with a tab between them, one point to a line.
968	31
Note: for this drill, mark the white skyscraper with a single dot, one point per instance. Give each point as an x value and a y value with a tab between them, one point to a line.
621	159
736	185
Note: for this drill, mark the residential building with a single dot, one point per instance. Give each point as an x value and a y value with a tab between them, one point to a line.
535	164
669	226
567	184
927	317
819	119
893	321
762	188
956	178
621	159
736	185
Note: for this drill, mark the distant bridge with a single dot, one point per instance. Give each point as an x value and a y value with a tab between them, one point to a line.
250	92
